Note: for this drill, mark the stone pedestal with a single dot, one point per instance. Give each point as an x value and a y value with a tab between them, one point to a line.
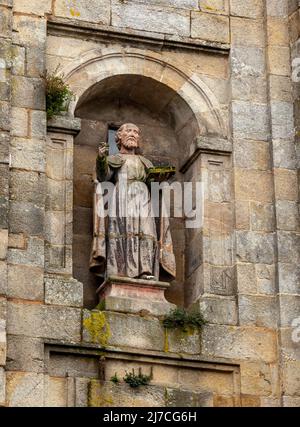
126	295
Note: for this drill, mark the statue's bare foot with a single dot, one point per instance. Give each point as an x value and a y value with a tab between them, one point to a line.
147	277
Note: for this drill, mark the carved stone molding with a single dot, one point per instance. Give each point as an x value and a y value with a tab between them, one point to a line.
72	28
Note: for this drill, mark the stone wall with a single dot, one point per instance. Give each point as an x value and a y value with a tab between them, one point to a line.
233	115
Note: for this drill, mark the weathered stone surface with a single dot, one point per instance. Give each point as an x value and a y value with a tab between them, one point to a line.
32	255
248	62
285	154
3	343
288	247
255	247
81	392
256	378
290	338
281	88
249	88
90	11
277	8
151	18
239	343
248	9
18	60
289	278
220	310
278	31
38	124
17	241
55	223
258	310
25	354
2	386
252	154
3	243
262	217
28	187
25	319
210	27
180	4
35	62
28	92
25	26
247	32
3	278
290	309
287	214
177	341
215	6
279	60
5	22
55	199
266	283
28	154
4	144
242	215
186	398
282	120
62	323
246	185
25	389
30	287
59	291
246	279
291	378
36	320
3	211
4	115
286	184
134	305
36	7
4	195
19	120
250	121
106	394
218	250
131	331
26	218
3	308
56	391
250	401
270	402
291	402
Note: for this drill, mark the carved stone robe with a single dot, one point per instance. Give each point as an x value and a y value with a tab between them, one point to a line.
129	246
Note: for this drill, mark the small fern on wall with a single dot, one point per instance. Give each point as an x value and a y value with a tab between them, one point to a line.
58	94
179	318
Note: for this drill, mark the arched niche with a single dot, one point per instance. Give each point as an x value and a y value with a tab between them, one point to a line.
172	110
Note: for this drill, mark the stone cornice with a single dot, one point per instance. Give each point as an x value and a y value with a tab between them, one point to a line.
64	124
96	32
211	145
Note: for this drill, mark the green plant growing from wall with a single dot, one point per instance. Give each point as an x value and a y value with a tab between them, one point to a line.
135	381
179	318
115	379
58	94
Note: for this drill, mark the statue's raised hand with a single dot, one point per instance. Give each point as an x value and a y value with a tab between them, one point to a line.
103	150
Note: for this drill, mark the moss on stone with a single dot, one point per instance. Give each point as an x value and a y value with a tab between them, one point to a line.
166	345
96	398
98	327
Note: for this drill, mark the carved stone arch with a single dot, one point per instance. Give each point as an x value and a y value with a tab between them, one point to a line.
189	109
99	64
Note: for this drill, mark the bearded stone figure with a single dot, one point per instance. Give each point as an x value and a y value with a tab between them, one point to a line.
133	244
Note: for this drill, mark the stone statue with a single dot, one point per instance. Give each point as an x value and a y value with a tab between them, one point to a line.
134	246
